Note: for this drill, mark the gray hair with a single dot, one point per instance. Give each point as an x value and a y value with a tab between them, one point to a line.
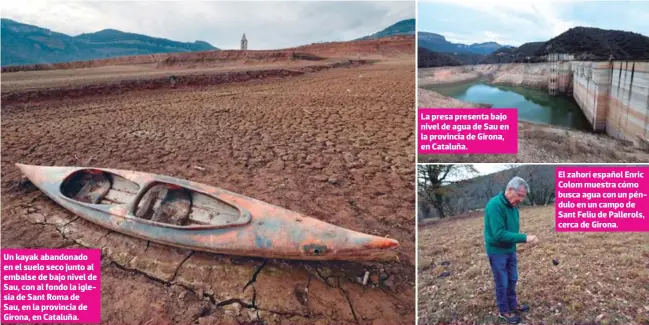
516	183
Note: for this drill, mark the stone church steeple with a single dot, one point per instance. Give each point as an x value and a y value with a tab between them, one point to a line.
244	42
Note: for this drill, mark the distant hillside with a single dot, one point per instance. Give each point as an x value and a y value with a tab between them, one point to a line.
430	59
478	53
584	43
28	44
523	53
528	49
473	194
427	59
597	44
438	43
404	27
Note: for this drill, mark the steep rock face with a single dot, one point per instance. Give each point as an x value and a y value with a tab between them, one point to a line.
26	44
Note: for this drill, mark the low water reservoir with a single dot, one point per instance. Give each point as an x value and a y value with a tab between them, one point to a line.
533	105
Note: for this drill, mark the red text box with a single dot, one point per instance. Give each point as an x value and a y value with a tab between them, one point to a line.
51	285
602	199
467	131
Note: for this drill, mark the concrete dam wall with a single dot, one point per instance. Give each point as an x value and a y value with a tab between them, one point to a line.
614	96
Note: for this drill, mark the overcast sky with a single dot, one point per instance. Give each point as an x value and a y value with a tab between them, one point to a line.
459	174
522	21
268	25
482	169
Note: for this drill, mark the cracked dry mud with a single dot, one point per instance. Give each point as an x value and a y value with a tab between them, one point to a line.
337	145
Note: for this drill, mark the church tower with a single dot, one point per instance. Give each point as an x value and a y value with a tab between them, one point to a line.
244	43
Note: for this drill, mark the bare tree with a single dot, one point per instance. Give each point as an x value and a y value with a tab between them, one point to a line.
504	176
433	179
542	187
488	187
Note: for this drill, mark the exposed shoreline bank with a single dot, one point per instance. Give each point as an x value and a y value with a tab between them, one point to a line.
527	75
541	143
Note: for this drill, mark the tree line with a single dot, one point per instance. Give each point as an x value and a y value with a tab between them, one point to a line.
440	195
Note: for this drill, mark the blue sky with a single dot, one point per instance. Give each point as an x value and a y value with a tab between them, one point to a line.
518	22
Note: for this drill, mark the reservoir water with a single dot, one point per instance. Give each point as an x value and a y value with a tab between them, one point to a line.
533	105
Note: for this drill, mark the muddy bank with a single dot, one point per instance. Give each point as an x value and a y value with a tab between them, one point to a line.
395	47
121	86
235	58
530	75
541	143
169	59
431	99
391	47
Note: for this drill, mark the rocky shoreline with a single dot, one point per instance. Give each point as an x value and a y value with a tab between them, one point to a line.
528	75
540	143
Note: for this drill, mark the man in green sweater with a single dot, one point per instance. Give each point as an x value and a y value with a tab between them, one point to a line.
501	232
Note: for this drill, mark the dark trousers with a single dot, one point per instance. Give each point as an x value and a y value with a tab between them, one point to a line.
505	270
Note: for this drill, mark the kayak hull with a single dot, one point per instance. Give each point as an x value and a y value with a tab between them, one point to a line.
257	229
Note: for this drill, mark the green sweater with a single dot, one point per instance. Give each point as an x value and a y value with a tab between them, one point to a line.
501	226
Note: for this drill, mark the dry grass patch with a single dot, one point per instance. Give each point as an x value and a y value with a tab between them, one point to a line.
602	278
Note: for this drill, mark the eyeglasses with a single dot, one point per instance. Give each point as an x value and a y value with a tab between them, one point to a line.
522	196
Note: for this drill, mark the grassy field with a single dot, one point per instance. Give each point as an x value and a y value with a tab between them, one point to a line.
602	278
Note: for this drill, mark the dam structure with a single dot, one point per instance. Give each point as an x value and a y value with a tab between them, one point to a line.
614	95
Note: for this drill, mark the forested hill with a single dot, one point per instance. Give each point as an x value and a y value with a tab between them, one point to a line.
28	44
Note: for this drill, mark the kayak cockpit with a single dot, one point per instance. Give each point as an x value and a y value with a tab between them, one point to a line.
98	187
172	204
158	202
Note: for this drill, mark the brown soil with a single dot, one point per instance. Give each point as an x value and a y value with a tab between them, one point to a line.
532	75
222	57
538	143
389	48
400	47
30	90
601	278
337	145
431	99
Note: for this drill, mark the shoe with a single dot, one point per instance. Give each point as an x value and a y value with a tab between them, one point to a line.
521	308
513	319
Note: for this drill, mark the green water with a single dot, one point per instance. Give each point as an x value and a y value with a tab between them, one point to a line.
533	105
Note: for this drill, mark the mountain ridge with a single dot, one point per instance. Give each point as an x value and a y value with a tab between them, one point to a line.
24	44
402	27
438	43
29	44
585	43
597	43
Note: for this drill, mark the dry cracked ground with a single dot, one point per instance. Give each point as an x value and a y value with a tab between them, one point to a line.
337	145
601	278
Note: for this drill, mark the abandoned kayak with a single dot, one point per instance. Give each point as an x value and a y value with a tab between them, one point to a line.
186	214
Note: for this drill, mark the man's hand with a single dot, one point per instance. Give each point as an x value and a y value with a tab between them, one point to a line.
531	239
